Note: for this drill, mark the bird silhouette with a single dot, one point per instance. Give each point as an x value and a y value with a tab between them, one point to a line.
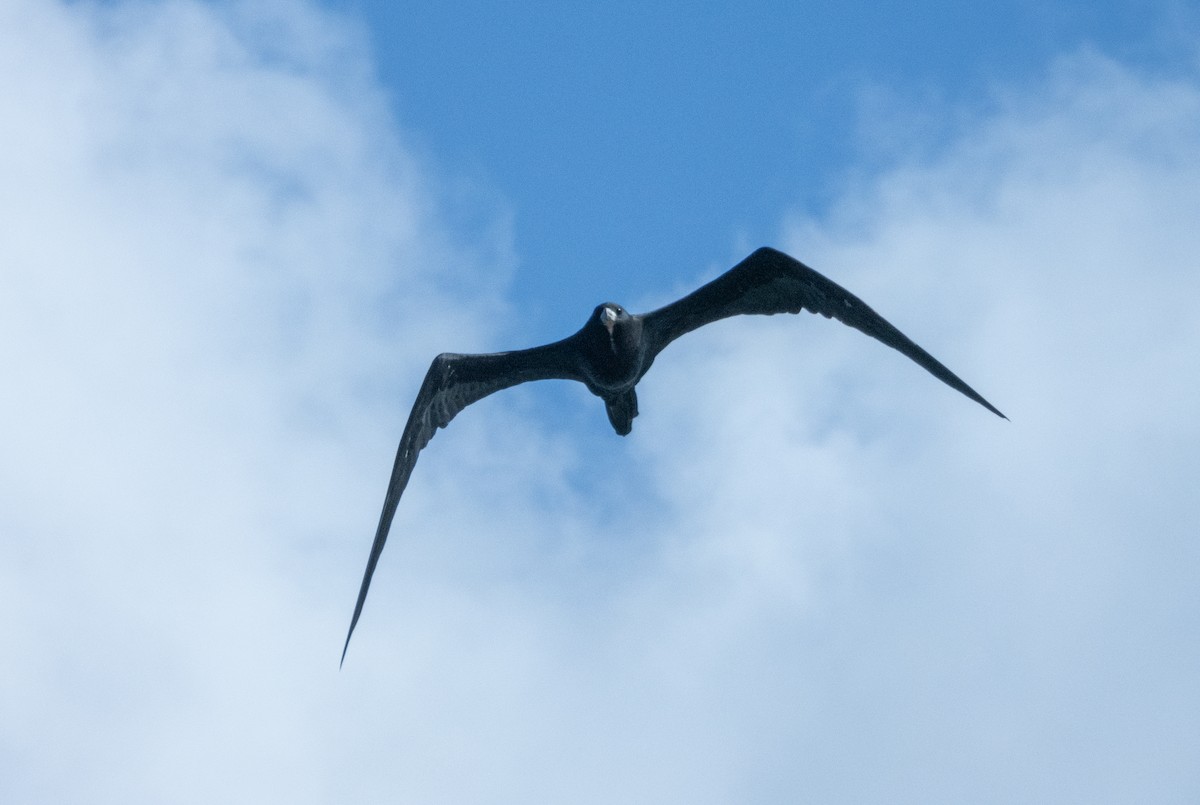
613	351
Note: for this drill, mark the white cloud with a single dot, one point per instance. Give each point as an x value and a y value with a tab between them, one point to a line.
1014	598
206	246
816	574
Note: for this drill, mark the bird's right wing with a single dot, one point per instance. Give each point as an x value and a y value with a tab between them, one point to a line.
452	383
769	282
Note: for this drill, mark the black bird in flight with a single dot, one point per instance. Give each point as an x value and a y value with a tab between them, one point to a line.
613	351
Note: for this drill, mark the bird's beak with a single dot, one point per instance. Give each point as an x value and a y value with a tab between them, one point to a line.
609	320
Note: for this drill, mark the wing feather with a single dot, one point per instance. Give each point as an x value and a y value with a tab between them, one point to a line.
452	383
769	282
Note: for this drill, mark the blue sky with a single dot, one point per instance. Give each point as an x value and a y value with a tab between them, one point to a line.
627	136
236	234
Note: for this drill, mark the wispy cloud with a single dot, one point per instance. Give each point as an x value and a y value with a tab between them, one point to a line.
210	245
810	572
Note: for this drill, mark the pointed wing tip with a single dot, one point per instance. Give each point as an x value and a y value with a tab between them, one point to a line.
994	409
349	634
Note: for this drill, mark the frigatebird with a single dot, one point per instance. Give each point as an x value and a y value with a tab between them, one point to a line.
613	351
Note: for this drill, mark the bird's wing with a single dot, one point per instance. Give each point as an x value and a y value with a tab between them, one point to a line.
452	383
769	282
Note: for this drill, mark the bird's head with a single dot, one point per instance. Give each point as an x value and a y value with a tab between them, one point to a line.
608	314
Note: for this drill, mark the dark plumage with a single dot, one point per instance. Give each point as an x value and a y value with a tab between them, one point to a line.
613	351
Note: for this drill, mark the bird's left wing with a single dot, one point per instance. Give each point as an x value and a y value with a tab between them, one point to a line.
769	282
452	383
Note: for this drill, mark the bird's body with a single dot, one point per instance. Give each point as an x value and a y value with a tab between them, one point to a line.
613	351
